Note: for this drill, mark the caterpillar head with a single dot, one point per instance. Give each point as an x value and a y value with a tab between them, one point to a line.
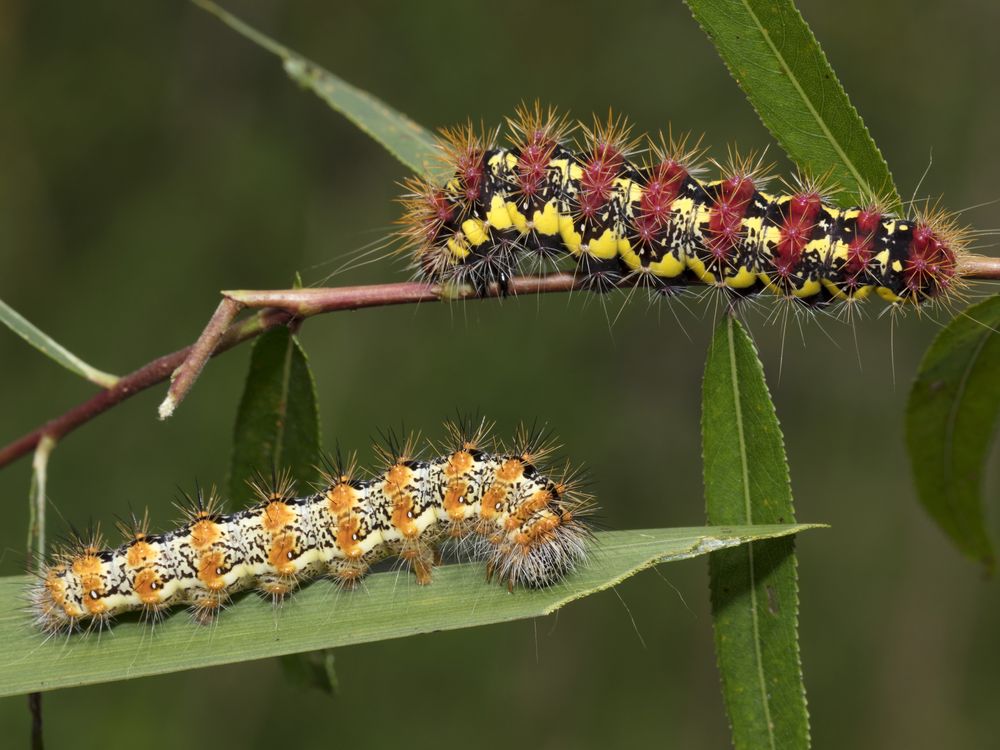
545	537
542	551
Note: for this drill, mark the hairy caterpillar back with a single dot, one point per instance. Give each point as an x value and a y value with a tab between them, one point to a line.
659	223
497	504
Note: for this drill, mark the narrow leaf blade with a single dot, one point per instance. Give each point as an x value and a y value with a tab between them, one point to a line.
774	57
277	425
754	588
322	616
951	418
51	348
398	134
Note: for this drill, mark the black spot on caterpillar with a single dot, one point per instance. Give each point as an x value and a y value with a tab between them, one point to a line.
499	504
658	223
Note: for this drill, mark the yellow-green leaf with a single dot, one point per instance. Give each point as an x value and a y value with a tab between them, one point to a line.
51	348
322	616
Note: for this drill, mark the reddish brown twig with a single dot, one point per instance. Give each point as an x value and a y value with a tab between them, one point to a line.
295	304
285	306
184	376
979	267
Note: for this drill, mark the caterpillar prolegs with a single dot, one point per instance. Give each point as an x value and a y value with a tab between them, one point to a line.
660	222
497	504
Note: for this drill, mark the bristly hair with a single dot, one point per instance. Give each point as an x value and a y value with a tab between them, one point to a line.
534	444
609	138
532	125
750	166
276	486
675	149
88	541
656	223
337	468
199	506
467	432
394	448
529	525
135	527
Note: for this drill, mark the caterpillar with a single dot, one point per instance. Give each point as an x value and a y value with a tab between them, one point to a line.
494	503
659	223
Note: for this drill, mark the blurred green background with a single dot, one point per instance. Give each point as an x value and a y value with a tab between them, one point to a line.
150	157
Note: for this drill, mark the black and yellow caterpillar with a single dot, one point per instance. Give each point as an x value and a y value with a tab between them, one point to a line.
658	223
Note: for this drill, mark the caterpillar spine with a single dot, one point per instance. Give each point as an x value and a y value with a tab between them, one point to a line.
496	504
660	223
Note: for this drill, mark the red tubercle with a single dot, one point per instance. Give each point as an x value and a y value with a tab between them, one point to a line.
464	150
599	171
532	163
439	207
725	224
471	173
428	209
796	231
439	211
661	190
804	208
930	264
860	250
859	255
868	222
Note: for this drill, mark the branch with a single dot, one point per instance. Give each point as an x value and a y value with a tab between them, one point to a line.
288	306
979	267
296	304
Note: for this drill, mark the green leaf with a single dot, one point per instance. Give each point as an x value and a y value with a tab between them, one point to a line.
397	133
754	588
776	60
50	348
323	616
277	425
277	428
951	418
314	669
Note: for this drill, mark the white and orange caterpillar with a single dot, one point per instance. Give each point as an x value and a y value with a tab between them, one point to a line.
496	503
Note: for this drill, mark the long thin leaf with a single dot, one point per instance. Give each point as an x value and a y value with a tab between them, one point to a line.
754	588
277	425
52	349
401	136
277	428
951	419
322	616
776	60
